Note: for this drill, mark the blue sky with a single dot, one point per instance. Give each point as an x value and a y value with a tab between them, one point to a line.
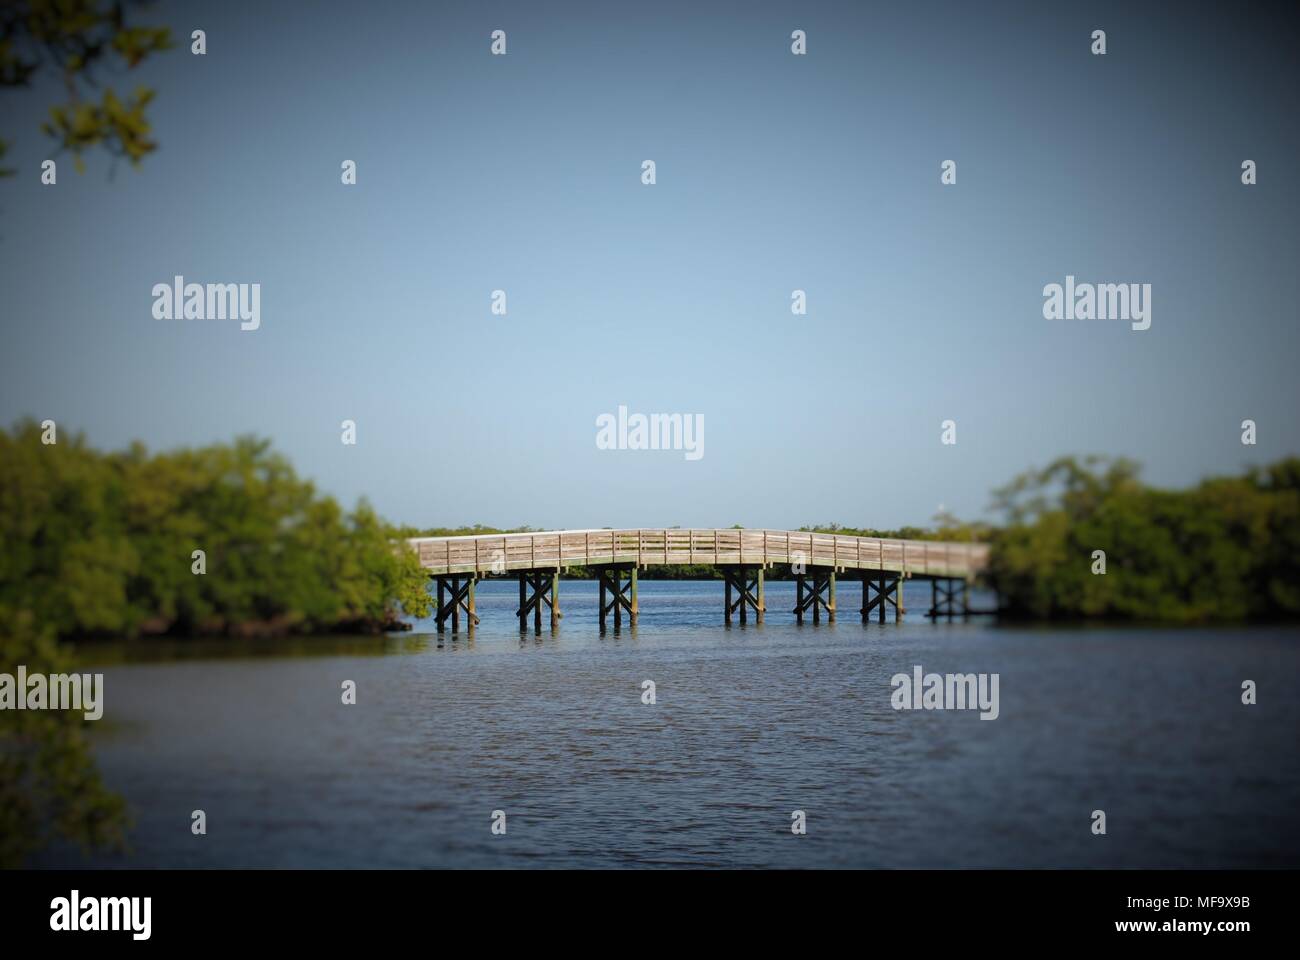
775	173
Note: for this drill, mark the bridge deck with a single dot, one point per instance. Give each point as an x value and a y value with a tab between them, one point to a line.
557	549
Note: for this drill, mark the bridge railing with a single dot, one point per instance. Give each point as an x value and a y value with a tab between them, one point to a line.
549	550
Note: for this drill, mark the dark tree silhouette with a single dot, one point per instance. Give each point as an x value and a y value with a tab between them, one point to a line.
81	40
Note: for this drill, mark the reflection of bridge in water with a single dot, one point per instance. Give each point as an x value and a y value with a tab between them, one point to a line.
537	560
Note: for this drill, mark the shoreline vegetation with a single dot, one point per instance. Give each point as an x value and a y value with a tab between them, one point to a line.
218	540
1087	540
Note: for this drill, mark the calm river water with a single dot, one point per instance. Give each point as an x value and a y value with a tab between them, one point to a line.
750	725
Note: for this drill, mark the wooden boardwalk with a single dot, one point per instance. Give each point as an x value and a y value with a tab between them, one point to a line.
538	559
554	550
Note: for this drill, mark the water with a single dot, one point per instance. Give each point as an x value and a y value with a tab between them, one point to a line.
751	724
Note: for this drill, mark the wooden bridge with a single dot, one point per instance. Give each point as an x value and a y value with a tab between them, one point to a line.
538	559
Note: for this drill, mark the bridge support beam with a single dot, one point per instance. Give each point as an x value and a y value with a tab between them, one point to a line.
815	591
880	590
946	601
747	582
537	589
617	594
456	594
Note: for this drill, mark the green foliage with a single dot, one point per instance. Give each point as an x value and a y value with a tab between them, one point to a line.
950	529
472	531
49	786
660	571
121	127
75	38
94	543
1227	549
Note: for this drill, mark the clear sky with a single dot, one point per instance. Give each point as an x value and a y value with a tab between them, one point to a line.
775	172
